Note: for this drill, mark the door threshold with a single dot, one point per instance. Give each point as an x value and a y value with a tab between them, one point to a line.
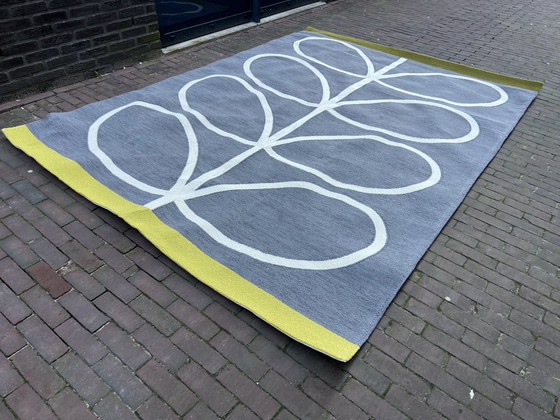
219	34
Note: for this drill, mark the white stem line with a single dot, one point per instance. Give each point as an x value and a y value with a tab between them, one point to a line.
186	190
332	103
182	192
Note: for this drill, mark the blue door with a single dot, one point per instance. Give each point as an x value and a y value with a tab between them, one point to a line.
180	20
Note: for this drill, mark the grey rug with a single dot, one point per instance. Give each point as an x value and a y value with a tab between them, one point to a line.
303	179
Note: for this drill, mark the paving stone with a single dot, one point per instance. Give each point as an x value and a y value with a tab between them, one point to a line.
81	256
333	401
240	412
389	346
201	411
119	312
410	405
48	309
526	410
14	276
114	237
219	399
49	280
115	283
449	407
26	404
123	346
248	392
81	309
49	253
83	214
161	347
52	208
40	375
18	251
111	407
5	210
278	360
156	408
169	388
114	258
405	318
285	415
480	383
111	219
84	283
5	413
455	347
435	318
156	315
121	379
434	374
81	341
236	352
523	388
187	291
13	308
24	208
6	191
148	263
22	229
141	242
29	191
332	373
42	338
10	339
81	377
231	323
153	289
369	401
194	319
83	235
9	377
291	397
51	231
68	406
198	350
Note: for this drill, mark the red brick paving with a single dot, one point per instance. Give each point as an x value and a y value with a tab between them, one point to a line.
96	323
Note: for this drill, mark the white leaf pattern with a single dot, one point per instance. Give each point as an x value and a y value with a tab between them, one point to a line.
189	187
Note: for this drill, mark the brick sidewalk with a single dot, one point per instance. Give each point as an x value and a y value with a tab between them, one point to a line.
95	322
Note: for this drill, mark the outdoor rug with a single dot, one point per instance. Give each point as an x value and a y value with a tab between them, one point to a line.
303	179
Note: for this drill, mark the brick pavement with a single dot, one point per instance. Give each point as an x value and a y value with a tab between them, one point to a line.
95	322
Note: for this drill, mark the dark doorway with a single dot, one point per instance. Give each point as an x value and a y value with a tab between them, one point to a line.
180	20
271	7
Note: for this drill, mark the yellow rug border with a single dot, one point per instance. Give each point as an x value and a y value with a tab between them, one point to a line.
438	62
185	253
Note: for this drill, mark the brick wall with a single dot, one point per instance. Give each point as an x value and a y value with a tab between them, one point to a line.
44	41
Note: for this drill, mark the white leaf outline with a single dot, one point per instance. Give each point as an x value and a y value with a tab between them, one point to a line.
501	100
369	65
269	117
186	189
192	157
472	134
375	246
435	171
324	84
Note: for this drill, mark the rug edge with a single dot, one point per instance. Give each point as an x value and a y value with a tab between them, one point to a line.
207	270
489	76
